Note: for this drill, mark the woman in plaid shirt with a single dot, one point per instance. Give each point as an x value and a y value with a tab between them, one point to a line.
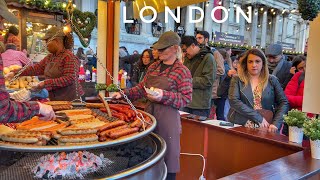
173	86
11	111
60	68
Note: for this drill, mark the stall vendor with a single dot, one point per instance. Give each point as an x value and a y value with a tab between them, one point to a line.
60	68
172	82
11	111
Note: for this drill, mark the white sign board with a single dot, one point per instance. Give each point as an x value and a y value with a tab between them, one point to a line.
311	99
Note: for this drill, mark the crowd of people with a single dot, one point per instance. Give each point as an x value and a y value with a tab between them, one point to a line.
254	89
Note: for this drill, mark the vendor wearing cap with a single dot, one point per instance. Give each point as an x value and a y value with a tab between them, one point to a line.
278	65
12	111
172	82
60	68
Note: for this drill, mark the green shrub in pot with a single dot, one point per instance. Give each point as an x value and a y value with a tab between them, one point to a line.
312	129
295	118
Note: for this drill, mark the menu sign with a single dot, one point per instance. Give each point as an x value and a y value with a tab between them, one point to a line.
228	38
287	46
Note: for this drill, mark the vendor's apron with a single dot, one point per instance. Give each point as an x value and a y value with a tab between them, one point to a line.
53	70
168	122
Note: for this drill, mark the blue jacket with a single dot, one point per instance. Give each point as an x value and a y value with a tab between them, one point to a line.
241	102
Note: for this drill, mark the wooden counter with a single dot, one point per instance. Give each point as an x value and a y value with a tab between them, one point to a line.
242	153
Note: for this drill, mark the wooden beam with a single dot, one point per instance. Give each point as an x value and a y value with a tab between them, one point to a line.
110	39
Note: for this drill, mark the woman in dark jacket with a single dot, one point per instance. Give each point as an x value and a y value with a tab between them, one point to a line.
140	68
254	91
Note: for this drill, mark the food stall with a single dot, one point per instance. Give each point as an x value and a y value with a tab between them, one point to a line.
33	23
84	142
80	144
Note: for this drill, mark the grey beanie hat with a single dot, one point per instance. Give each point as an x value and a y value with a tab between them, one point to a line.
274	50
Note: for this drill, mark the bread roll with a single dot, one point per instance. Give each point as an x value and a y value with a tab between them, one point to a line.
74	112
78	138
78	131
20	138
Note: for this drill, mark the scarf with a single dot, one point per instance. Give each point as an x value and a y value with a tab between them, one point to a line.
274	68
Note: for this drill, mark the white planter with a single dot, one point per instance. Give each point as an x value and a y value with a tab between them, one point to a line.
315	149
111	94
295	134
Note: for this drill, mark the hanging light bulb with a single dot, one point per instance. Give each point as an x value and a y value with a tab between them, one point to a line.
67	29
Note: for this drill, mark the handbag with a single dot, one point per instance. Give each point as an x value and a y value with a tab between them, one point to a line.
267	114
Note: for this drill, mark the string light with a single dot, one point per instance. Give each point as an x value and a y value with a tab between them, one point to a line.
261	9
220	3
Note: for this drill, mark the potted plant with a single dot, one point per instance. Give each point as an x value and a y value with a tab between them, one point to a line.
295	120
312	130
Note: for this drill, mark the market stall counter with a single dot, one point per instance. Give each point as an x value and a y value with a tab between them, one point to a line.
241	153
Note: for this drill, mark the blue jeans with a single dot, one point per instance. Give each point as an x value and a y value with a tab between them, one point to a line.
220	102
198	112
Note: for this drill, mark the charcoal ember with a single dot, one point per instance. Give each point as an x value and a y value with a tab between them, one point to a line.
134	161
46	175
149	150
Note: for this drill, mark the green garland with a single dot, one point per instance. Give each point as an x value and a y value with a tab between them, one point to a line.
245	47
45	4
309	9
85	22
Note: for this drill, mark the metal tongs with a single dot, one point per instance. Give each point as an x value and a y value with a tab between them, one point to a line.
16	76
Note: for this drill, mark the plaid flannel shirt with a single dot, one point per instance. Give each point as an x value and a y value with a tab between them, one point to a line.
11	111
70	70
180	83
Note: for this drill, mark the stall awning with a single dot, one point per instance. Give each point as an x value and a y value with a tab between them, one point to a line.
159	5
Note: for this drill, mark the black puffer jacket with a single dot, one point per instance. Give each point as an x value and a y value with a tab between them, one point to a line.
241	102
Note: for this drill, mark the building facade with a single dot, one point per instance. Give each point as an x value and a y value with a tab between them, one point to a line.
272	22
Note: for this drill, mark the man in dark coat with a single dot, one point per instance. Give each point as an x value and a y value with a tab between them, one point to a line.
278	65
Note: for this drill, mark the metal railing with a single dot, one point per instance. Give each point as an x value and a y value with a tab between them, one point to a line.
157	31
133	28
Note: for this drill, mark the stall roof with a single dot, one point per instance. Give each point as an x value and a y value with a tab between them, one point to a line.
16	4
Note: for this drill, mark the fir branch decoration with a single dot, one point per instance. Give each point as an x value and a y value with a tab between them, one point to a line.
85	22
295	118
309	9
45	4
312	129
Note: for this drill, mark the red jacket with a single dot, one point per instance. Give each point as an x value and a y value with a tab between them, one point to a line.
294	92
